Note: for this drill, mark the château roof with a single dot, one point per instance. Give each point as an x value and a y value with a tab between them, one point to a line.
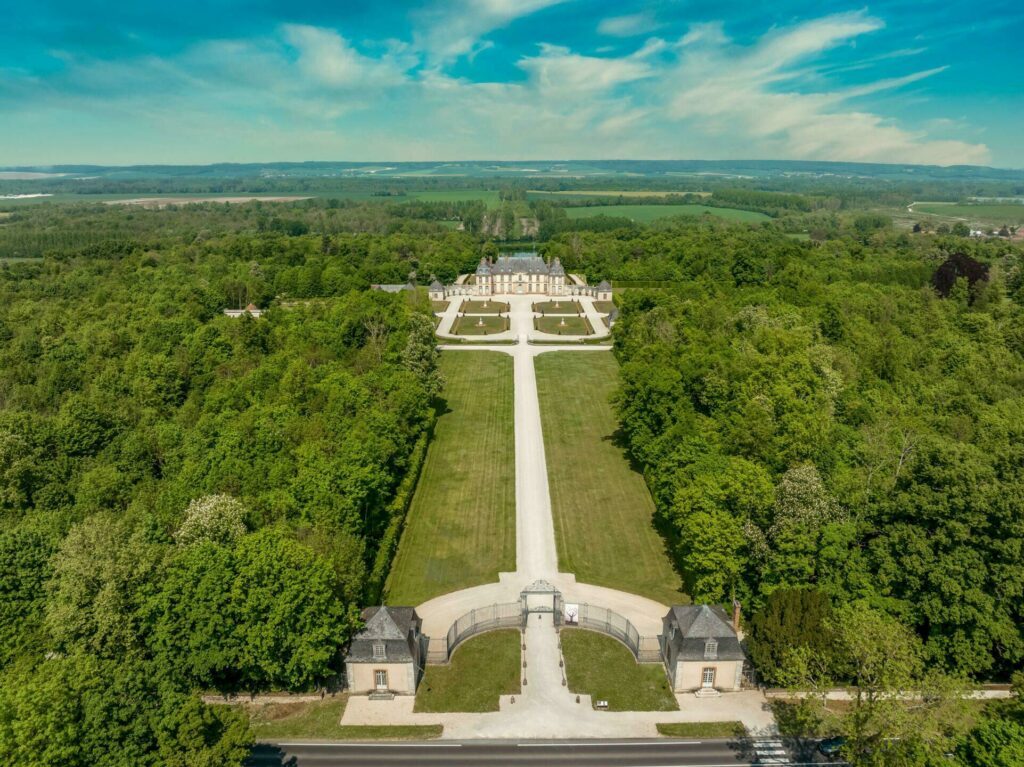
435	285
557	268
520	263
604	285
484	268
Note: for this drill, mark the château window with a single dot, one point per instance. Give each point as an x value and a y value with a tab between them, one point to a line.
711	648
379	652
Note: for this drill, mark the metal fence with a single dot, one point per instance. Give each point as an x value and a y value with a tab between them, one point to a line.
476	621
645	649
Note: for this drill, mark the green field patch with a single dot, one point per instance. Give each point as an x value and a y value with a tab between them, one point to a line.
461	529
483	307
644	214
603	512
602	667
604	307
588	194
490	197
563	325
480	671
438	307
702	729
993	214
321	720
481	325
564	306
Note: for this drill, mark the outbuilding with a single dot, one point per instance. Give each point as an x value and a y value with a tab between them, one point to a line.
701	649
386	657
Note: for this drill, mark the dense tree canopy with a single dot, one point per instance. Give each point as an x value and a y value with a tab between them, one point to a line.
192	501
830	421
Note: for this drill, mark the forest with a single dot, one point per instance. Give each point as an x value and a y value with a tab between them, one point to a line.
191	502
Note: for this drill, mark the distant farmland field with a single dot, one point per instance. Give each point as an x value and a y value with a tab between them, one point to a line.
644	214
587	194
988	213
489	196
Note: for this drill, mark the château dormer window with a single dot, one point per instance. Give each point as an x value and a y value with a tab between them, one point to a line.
710	648
379	652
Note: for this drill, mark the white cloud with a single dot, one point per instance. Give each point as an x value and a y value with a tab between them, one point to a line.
454	28
630	25
312	90
721	87
328	58
557	69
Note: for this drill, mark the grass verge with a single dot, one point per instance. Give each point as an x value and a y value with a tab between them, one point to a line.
564	325
461	527
484	325
603	668
702	730
319	720
558	306
603	511
482	669
483	307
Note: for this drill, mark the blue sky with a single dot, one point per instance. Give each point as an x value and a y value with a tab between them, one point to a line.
197	81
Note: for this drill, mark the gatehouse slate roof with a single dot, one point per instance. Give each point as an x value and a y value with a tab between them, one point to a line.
694	625
556	267
396	627
604	285
435	285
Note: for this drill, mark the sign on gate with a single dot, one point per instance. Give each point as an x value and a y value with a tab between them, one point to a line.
572	614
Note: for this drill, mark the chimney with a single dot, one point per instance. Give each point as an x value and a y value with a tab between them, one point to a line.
736	616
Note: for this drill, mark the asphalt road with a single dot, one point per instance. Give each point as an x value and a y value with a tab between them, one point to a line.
626	753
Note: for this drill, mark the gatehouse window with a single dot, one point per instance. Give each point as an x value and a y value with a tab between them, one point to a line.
379	651
380	678
711	648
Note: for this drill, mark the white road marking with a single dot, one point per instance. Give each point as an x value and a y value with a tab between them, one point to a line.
370	745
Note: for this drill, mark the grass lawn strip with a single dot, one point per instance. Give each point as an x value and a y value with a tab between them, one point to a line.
604	307
461	529
481	670
439	306
564	325
563	306
484	325
601	506
603	668
320	721
702	730
483	307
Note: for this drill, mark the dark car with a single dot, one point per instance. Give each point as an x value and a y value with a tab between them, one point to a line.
832	746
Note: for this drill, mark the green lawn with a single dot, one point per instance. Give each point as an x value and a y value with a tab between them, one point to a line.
994	214
483	307
601	506
438	306
320	721
604	307
484	325
564	325
603	668
703	730
491	197
481	669
461	529
644	214
563	306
